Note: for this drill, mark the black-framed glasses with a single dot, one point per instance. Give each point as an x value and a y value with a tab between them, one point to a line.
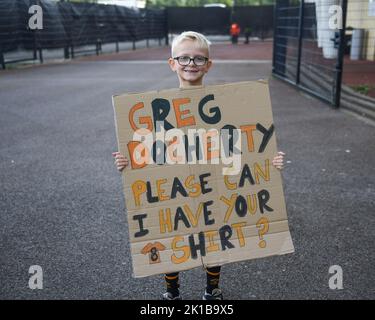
185	60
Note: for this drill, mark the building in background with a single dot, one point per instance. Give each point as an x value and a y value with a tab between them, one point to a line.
126	3
361	15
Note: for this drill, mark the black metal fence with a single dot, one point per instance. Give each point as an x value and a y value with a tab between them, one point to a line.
69	25
204	20
308	52
217	20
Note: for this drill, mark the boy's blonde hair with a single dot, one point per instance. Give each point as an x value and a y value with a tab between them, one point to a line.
202	41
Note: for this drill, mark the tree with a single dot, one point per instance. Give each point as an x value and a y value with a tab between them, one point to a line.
201	3
164	3
92	1
254	2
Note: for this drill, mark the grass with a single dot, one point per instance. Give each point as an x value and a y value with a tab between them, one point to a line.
363	88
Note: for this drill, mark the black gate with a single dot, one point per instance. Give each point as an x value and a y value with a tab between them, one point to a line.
309	46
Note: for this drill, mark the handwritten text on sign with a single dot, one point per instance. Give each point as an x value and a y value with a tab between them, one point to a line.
200	187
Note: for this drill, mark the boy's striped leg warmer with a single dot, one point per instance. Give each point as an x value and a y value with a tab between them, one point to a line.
171	280
213	277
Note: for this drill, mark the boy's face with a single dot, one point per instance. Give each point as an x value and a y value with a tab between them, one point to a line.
190	75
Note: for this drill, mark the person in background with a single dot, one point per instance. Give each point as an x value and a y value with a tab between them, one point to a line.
235	32
247	34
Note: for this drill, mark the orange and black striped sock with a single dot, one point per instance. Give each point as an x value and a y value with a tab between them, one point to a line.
213	277
171	280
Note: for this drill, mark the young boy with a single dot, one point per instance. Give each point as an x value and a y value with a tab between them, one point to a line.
190	60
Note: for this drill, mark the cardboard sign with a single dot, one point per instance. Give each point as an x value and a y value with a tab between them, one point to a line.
200	188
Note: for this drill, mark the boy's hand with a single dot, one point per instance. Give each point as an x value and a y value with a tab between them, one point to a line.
120	161
278	161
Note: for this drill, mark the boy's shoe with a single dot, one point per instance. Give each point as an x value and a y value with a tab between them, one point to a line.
169	296
215	295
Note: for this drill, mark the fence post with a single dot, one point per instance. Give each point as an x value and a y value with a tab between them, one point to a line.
2	59
37	43
262	25
275	6
340	58
35	56
66	52
279	52
148	28
40	55
300	37
99	45
166	27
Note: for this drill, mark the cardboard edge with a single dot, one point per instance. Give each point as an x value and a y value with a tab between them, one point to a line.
262	81
288	246
114	117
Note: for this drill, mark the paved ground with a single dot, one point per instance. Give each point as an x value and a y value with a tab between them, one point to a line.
62	206
356	73
255	50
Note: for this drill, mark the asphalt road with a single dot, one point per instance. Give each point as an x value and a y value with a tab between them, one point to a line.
62	207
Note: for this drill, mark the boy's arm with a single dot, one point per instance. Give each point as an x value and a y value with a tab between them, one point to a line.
120	161
278	161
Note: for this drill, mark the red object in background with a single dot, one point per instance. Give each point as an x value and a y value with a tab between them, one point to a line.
235	29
